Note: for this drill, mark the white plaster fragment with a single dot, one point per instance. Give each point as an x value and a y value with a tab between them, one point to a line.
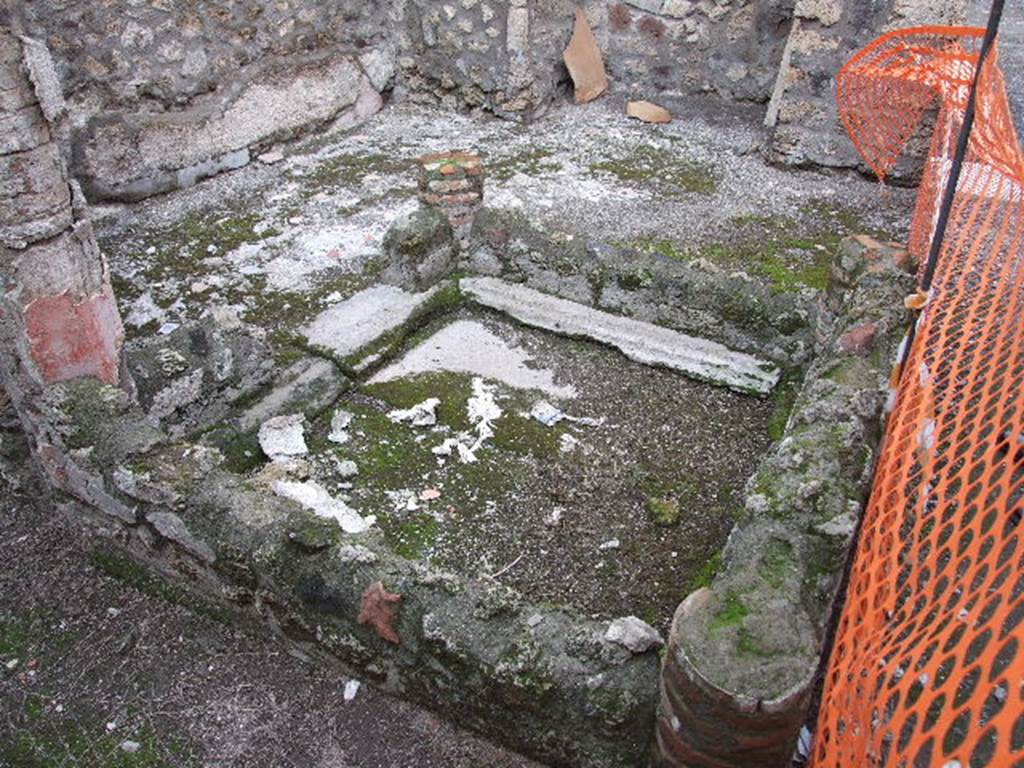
420	415
639	341
316	498
340	422
351	689
284	436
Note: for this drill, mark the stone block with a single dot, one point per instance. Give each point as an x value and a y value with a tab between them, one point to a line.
307	386
420	249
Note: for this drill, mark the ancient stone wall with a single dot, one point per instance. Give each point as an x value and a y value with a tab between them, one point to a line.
165	92
730	48
824	35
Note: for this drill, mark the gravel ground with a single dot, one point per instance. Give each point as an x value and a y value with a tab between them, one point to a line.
90	667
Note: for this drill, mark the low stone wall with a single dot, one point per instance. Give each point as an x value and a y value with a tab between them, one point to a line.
541	679
695	297
744	653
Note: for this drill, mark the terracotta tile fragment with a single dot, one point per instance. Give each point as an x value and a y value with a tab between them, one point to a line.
648	112
583	59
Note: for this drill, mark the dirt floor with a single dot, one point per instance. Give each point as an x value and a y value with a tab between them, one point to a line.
91	668
619	517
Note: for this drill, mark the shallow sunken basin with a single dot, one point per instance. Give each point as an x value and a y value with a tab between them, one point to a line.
622	513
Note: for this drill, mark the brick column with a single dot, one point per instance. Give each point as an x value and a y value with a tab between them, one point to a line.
453	182
57	308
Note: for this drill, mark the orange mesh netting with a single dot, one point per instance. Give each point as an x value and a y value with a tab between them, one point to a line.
927	667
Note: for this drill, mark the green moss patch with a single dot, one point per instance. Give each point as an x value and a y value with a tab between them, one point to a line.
412	538
22	634
783	399
66	743
532	162
707	573
129	572
787	253
777	562
663	511
730	614
664	169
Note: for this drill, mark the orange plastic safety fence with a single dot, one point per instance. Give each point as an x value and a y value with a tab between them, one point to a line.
928	665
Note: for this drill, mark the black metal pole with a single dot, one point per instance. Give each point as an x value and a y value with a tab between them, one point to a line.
949	193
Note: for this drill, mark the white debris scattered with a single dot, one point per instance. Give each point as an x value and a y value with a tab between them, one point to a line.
567	443
354	553
483	410
284	436
610	545
803	745
454	445
131	747
553	518
340	422
346	469
550	415
270	158
634	634
421	415
143	310
351	689
316	498
167	328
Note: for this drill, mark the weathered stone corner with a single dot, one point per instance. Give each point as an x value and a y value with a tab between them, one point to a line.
743	653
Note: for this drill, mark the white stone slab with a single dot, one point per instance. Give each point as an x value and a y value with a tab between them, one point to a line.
639	341
466	346
351	325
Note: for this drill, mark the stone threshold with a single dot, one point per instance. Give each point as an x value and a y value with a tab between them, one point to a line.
645	343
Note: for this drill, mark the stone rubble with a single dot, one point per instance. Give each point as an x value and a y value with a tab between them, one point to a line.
632	633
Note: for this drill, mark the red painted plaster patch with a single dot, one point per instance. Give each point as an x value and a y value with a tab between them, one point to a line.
68	339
